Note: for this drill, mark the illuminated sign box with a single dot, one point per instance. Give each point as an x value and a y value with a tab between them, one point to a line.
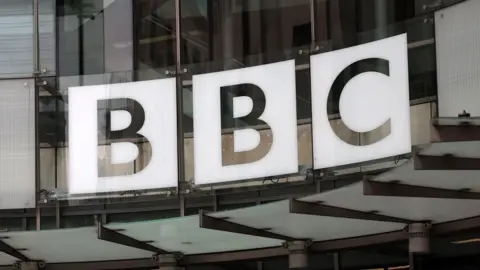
376	97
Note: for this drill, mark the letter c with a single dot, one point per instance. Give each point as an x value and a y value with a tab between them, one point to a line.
378	65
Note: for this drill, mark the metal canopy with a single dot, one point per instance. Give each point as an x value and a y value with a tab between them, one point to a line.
278	218
320	209
116	237
373	211
442	179
70	245
222	224
184	235
448	156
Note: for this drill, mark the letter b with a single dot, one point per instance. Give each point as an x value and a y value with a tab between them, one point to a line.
108	126
239	99
107	135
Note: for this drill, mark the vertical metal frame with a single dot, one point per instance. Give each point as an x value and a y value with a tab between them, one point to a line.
36	72
313	28
313	45
57	4
179	86
36	39
57	86
435	112
135	37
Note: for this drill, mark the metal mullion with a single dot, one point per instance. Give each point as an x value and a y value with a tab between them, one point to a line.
337	264
313	21
36	71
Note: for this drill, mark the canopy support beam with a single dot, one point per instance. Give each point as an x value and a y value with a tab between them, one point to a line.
221	224
445	162
5	248
467	131
396	189
319	209
114	236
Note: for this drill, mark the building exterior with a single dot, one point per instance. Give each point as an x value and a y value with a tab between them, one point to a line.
239	134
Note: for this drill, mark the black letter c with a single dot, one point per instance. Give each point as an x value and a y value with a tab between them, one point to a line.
366	65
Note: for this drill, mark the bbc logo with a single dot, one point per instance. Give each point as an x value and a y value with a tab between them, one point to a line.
376	97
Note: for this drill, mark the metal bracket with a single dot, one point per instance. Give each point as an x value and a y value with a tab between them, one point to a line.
31	265
318	209
219	224
115	237
308	52
173	73
433	5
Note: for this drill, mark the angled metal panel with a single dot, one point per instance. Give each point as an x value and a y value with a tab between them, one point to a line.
318	209
218	224
394	189
121	239
445	162
5	248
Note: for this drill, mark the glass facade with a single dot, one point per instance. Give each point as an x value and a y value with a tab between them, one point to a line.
69	67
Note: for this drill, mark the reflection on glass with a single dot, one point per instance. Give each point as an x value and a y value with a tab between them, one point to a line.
95	37
154	37
47	36
219	35
81	37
